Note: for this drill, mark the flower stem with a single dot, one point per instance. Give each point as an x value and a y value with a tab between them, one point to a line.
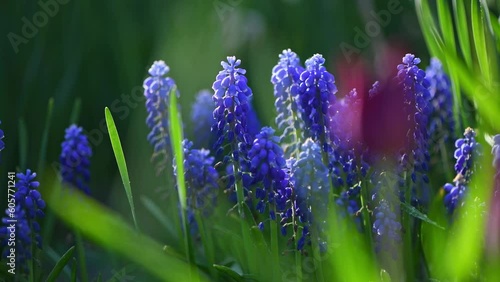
274	247
81	256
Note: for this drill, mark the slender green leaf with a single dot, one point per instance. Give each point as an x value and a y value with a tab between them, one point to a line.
73	270
75	111
446	24
176	137
45	136
55	257
120	160
23	144
229	273
429	29
159	215
105	228
61	264
486	13
411	210
462	30
81	256
479	40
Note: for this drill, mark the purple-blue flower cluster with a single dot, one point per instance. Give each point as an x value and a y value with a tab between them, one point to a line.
28	208
441	123
285	79
387	228
201	181
268	169
202	119
310	179
416	98
2	144
75	159
467	149
316	93
157	88
495	151
231	97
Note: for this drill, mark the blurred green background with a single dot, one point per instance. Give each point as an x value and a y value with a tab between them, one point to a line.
98	51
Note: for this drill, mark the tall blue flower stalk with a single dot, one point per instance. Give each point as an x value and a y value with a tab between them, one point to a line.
441	124
28	209
316	93
75	159
268	169
467	150
310	179
202	119
231	97
415	159
2	144
285	79
157	88
201	182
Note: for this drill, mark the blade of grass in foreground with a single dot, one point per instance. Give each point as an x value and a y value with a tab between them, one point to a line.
462	30
106	229
479	39
120	161
176	138
45	136
61	264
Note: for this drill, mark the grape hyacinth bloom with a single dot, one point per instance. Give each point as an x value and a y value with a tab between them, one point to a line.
201	181
441	124
28	208
466	151
75	159
310	179
157	88
285	79
316	93
2	144
203	120
268	171
387	229
493	226
416	98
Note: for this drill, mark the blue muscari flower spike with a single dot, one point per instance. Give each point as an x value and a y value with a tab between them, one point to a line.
75	159
203	120
316	93
386	228
268	169
416	98
286	78
231	99
29	207
441	124
2	144
467	150
309	176
201	181
495	150
156	90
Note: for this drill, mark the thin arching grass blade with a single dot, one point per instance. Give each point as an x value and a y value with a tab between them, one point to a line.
61	264
45	136
105	228
120	161
462	30
479	39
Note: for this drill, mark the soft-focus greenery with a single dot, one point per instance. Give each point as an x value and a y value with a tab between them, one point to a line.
91	52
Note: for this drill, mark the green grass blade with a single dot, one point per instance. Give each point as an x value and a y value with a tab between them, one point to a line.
229	273
75	111
120	160
81	256
53	255
411	210
73	270
429	29
45	137
480	40
106	228
23	144
446	24
462	30
487	18
159	215
176	137
61	264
